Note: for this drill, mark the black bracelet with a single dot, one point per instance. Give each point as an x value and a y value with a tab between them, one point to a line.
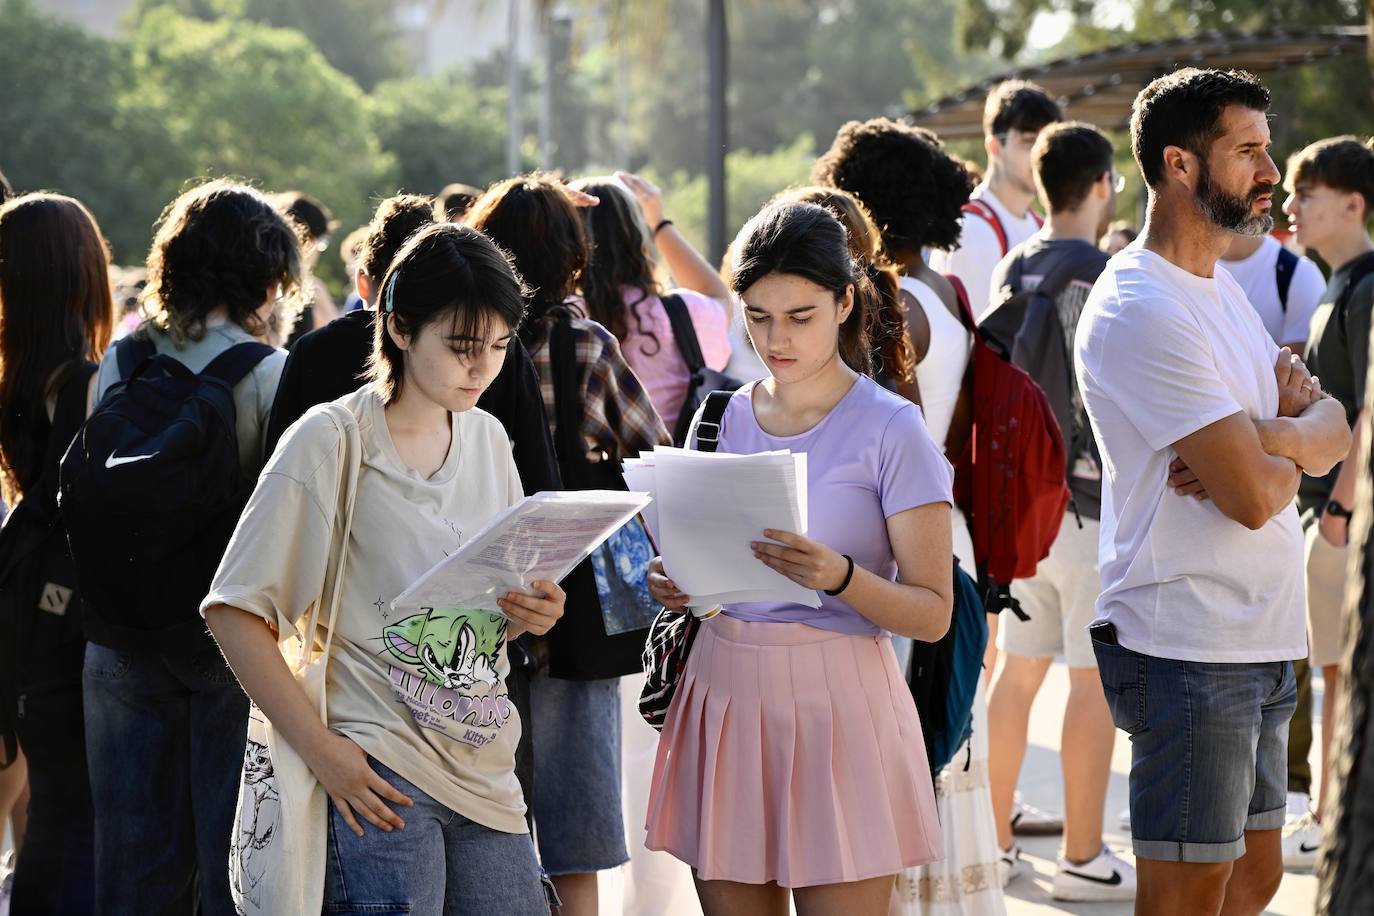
847	576
662	224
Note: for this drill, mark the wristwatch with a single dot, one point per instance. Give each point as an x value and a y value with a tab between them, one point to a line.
1336	509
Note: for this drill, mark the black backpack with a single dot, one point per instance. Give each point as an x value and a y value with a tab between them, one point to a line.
151	491
1026	329
41	642
1284	267
702	380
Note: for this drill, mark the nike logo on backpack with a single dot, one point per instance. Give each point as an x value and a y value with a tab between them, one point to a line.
1305	849
1114	880
113	462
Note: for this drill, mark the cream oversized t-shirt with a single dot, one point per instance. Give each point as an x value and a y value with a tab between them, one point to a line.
424	693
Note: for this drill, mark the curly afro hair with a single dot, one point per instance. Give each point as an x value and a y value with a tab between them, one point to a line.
913	188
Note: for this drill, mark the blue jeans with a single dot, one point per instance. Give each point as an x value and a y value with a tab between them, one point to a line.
575	727
1209	750
164	739
441	864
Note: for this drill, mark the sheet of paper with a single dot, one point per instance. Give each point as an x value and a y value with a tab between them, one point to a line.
640	478
712	506
542	537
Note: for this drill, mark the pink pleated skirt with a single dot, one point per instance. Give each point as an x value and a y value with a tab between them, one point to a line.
792	754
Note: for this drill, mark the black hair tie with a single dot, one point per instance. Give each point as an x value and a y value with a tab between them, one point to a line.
847	576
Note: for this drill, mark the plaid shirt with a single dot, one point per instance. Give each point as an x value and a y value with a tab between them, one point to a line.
617	415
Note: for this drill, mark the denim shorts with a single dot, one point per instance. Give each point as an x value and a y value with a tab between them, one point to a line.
1209	750
575	728
441	864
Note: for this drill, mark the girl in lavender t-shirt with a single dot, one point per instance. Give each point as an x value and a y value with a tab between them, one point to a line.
792	761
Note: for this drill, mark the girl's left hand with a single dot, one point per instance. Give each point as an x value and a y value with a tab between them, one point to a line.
534	613
806	562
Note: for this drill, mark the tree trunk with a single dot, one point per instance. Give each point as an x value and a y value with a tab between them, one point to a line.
717	129
1345	869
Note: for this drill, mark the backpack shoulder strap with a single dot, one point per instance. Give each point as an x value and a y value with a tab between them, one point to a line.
1284	268
709	426
132	350
684	333
566	382
965	310
234	363
989	216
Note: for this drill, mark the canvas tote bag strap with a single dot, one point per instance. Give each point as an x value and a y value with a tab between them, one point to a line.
352	462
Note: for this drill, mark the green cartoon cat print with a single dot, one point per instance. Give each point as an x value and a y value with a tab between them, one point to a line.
444	669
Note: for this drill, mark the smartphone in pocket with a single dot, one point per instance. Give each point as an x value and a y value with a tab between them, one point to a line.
1104	631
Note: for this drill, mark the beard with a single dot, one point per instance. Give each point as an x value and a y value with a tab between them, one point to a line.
1229	212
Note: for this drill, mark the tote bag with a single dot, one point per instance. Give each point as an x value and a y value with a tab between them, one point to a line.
277	852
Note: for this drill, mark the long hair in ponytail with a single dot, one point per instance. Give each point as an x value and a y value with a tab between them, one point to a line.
893	354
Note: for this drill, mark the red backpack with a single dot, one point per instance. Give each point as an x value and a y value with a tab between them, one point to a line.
1009	465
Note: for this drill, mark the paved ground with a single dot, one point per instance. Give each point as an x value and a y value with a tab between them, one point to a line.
1042	785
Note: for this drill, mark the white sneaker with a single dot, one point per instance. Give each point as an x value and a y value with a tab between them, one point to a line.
1126	819
1108	877
1028	820
1011	866
1301	838
1299	803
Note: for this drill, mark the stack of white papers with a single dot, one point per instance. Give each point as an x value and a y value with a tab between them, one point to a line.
541	537
707	509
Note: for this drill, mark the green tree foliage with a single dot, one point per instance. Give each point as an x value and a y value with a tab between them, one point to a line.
238	98
357	37
67	127
441	130
751	179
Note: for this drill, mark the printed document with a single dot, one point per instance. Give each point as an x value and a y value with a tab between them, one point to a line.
541	537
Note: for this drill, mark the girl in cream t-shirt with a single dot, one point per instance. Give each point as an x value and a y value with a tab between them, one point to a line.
419	753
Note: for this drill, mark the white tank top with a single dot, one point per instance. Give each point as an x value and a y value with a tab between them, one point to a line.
941	374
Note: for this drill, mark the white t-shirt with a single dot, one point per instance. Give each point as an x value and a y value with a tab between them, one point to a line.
1161	353
422	692
979	249
1257	279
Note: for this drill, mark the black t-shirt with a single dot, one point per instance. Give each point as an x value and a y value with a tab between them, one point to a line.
1041	342
328	363
1338	354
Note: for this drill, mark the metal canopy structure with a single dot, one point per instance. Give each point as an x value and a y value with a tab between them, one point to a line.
1099	87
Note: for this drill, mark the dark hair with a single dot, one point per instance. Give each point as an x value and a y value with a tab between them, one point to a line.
6	189
221	243
808	241
1184	109
443	271
620	256
1125	229
56	309
1342	163
308	212
533	218
892	350
1018	105
454	200
1069	157
902	174
397	219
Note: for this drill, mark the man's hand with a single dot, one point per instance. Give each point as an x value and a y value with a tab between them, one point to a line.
1184	482
1298	388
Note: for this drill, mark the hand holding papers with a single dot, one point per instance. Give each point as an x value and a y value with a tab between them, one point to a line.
541	537
709	508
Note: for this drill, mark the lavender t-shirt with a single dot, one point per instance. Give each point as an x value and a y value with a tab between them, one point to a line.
867	460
